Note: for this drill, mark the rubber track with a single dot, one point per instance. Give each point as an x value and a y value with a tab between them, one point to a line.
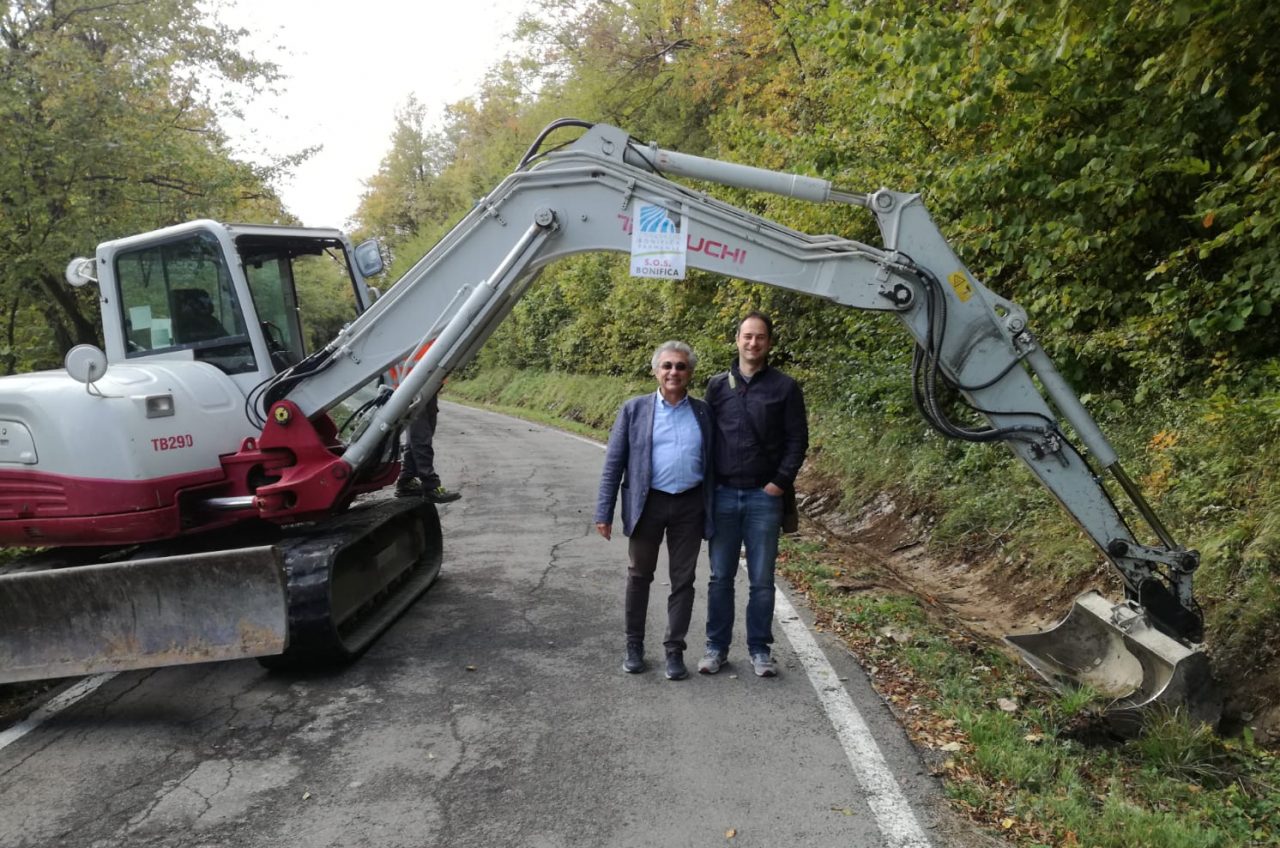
309	554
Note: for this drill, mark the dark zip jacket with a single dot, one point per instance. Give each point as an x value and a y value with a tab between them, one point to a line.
768	448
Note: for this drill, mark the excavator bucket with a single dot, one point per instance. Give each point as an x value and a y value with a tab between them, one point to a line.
1115	650
61	622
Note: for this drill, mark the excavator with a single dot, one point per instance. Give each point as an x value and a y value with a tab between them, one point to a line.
201	489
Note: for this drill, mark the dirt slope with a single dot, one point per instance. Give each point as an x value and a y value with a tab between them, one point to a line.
880	545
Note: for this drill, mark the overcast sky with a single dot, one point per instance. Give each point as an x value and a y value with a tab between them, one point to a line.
349	66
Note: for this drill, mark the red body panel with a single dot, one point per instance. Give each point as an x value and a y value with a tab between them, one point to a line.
294	471
38	508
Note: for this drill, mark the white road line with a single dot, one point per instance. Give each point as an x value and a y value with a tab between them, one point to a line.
52	708
889	806
583	439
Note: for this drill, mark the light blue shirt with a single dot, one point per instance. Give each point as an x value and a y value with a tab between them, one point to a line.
677	446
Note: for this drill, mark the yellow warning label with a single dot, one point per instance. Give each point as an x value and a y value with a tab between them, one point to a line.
960	283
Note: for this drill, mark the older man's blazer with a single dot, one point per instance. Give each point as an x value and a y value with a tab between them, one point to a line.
629	462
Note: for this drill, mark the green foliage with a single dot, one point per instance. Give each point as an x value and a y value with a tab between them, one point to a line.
589	401
1111	166
1107	166
109	128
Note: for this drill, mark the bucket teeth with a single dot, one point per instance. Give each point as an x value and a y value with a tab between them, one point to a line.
1115	650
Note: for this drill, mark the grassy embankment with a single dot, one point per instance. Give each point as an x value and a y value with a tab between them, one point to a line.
1009	749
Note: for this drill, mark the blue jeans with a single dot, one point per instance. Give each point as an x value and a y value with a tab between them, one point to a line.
750	517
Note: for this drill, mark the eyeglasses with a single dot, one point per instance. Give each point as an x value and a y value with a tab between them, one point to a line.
679	366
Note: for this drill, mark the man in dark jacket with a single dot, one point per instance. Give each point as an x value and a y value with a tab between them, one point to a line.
761	438
660	454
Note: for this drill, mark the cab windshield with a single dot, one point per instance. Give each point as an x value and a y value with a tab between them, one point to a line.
179	295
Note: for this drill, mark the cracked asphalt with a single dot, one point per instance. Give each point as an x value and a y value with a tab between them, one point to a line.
494	712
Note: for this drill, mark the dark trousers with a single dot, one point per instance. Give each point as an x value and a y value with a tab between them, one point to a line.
419	458
681	518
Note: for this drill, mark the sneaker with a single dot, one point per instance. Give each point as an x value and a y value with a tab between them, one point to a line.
764	665
712	661
408	487
675	666
634	663
441	495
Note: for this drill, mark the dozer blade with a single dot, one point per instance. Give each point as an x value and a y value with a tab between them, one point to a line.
1115	650
173	610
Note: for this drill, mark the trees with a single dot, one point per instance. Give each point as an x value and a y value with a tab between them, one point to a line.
1110	166
107	111
403	197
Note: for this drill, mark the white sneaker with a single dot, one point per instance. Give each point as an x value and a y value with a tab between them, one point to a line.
763	664
712	661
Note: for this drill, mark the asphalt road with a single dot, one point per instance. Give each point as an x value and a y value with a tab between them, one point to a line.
494	712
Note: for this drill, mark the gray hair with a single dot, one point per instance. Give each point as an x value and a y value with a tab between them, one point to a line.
678	347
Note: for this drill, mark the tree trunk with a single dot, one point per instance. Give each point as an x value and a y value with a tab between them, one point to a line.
11	359
64	304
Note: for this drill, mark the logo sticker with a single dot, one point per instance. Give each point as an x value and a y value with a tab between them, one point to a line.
657	245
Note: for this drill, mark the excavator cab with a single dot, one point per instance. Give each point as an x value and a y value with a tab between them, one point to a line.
247	300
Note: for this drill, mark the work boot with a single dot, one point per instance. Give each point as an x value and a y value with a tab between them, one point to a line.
408	487
764	665
634	663
675	666
712	661
441	495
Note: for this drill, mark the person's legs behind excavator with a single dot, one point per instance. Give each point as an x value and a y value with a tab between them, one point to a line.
418	477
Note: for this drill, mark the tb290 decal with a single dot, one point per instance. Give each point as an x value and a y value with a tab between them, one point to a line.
168	443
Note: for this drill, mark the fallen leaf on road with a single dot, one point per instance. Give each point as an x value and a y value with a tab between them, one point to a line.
730	833
306	795
844	811
471	668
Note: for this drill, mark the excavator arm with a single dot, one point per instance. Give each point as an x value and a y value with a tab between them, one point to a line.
589	195
583	199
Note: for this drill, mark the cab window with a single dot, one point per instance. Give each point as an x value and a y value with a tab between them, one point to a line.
302	289
179	295
271	283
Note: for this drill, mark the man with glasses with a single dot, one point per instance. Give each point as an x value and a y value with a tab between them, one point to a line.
761	437
660	455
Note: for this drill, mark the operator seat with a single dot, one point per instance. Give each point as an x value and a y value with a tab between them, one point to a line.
193	318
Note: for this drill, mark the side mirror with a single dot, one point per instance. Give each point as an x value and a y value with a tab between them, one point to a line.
81	271
85	363
368	256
